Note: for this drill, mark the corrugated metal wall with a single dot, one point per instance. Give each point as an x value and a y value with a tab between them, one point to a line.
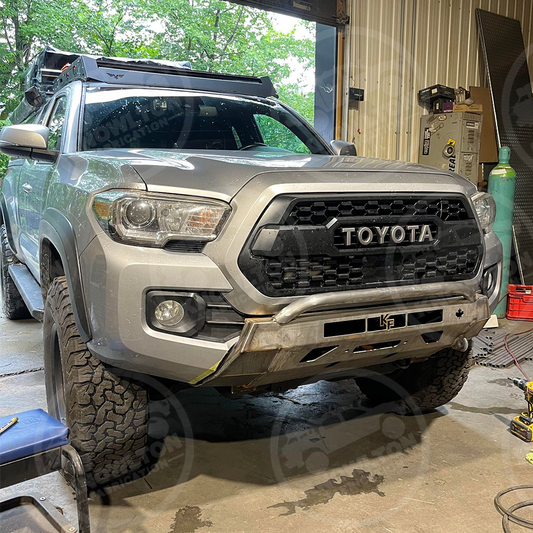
398	47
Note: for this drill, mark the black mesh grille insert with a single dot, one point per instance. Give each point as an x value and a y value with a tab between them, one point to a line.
298	247
332	273
320	212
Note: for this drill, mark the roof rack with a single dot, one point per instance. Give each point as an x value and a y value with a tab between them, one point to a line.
161	74
45	68
52	69
39	79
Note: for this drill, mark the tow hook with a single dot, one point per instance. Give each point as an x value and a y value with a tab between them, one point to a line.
460	344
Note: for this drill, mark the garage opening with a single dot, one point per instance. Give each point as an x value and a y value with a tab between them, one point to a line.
326	16
295	43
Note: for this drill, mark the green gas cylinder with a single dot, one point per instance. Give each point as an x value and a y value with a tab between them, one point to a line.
502	184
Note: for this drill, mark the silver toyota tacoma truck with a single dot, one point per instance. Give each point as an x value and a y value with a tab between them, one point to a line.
186	225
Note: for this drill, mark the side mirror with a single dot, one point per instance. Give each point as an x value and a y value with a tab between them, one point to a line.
343	148
26	140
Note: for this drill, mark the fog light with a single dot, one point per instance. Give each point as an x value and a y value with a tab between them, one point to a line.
177	313
169	313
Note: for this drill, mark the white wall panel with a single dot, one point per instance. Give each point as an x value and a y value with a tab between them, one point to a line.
398	47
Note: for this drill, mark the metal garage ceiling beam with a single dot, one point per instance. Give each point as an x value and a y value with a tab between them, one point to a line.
330	12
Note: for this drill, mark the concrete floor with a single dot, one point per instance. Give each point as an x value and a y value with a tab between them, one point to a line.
314	459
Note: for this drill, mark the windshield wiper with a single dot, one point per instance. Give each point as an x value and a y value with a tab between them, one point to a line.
253	145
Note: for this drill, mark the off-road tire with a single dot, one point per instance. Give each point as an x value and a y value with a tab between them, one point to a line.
107	414
422	386
13	305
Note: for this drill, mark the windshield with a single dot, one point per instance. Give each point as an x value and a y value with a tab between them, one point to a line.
166	119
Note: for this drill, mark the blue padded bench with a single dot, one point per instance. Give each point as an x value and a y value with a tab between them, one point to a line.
37	445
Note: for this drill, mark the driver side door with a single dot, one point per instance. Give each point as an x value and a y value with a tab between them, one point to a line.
34	179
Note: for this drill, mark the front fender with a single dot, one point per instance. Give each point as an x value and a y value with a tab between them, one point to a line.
57	229
5	219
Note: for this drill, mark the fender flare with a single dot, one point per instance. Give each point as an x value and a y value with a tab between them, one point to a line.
5	220
56	228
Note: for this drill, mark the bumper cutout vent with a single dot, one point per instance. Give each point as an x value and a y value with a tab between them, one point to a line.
424	317
432	337
384	322
376	346
317	353
334	329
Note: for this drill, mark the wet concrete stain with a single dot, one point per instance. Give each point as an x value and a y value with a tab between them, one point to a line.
503	383
360	482
483	410
188	520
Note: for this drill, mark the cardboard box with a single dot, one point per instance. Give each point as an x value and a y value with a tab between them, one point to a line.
463	108
488	152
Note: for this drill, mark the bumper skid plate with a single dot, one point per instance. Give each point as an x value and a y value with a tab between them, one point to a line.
329	342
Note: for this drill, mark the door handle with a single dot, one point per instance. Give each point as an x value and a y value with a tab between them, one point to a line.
27	188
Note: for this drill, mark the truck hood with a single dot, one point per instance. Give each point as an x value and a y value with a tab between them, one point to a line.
223	174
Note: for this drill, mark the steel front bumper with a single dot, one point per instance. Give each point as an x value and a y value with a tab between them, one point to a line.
272	347
306	340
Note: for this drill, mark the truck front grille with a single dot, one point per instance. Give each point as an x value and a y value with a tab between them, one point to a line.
299	247
317	212
333	273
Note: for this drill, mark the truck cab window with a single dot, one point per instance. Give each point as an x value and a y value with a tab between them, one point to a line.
277	135
56	122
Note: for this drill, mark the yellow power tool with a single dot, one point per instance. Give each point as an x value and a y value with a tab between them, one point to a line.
522	425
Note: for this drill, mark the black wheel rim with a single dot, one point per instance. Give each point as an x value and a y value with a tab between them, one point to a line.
58	382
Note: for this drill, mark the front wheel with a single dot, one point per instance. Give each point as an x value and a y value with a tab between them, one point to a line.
107	414
422	386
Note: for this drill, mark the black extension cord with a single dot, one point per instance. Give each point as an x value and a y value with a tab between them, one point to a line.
508	515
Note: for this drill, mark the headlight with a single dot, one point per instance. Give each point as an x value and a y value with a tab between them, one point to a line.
485	209
153	220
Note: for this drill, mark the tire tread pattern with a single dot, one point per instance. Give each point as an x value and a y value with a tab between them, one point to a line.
12	303
441	379
107	414
429	384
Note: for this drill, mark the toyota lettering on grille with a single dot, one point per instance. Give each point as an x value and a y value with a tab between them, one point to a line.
365	236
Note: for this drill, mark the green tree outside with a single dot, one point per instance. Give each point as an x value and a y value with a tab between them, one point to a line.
4	159
214	35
